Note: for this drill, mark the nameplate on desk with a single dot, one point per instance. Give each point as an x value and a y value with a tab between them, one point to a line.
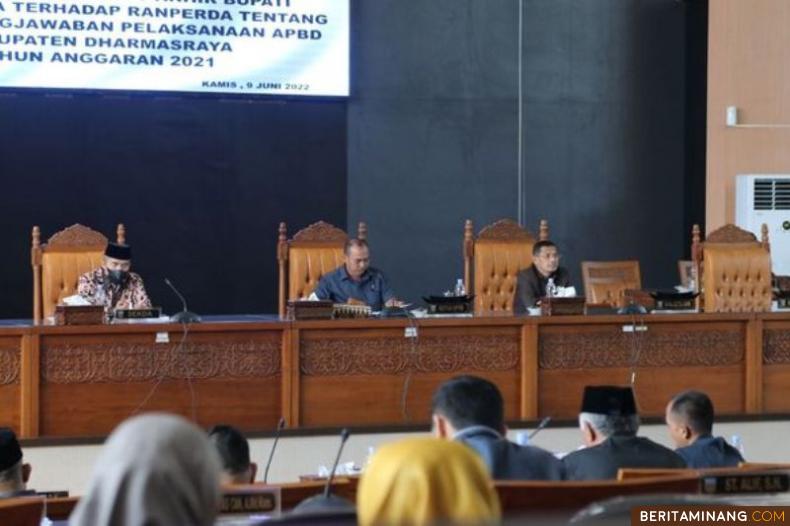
739	484
553	306
137	314
449	304
674	301
79	315
250	500
310	310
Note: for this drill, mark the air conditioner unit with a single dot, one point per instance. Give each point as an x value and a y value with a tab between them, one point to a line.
765	199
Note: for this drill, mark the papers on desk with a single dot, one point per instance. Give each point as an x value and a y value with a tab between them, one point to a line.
140	321
423	313
565	292
76	301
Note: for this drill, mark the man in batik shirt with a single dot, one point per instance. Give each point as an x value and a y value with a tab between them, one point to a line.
112	285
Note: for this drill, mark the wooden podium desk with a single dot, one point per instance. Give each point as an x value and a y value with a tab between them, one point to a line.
249	370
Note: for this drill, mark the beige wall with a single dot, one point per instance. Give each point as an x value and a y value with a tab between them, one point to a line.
748	67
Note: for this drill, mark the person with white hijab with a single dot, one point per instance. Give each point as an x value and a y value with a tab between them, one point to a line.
155	469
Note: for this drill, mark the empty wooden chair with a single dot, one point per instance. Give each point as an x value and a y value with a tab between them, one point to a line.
734	269
607	281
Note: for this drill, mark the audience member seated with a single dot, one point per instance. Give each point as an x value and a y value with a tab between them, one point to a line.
609	423
234	452
531	282
471	410
356	281
14	474
112	284
420	481
154	469
689	418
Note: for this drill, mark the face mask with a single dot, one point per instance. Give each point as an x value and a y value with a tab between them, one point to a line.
118	277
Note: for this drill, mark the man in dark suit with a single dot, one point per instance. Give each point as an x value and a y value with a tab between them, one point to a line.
689	417
531	282
609	423
234	451
471	410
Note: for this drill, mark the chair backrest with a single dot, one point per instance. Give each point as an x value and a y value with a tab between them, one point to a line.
58	264
735	269
311	253
607	281
648	473
59	508
571	496
22	511
498	253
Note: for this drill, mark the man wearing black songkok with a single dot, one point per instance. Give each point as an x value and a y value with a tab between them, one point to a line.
14	474
609	422
112	284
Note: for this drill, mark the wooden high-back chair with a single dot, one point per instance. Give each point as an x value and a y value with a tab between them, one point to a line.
607	281
571	496
498	253
734	269
58	264
308	255
21	511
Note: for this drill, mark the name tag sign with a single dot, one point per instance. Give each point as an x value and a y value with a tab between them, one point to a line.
740	484
137	314
249	500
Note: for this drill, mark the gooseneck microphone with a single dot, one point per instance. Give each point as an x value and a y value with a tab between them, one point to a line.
326	503
280	426
543	423
185	316
343	438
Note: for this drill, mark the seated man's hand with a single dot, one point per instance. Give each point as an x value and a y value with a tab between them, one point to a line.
394	302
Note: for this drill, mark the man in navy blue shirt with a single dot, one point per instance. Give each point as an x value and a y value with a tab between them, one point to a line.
356	280
689	418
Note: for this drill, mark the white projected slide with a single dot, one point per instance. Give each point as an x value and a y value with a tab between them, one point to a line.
252	47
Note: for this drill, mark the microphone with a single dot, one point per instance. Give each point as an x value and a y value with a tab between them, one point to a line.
343	438
543	423
326	503
280	426
184	316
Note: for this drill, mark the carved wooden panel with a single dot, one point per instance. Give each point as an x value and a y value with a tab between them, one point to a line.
730	234
120	363
618	349
776	346
77	236
321	231
9	365
387	356
505	230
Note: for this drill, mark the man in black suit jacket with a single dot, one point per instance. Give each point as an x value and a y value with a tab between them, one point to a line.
531	282
689	417
609	423
471	410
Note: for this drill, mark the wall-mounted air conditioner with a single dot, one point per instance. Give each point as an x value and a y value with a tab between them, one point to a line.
766	199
